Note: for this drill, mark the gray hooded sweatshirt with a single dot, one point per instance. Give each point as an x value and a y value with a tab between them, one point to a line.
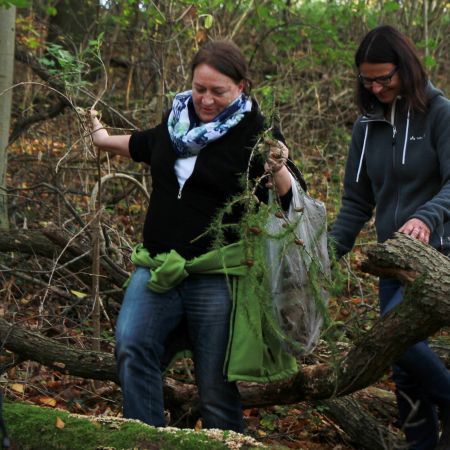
400	166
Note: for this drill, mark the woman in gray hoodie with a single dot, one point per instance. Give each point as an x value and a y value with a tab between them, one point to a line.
399	162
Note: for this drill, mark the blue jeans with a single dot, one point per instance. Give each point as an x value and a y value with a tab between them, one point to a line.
422	381
145	321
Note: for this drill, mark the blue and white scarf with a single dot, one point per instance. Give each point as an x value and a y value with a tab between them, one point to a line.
189	137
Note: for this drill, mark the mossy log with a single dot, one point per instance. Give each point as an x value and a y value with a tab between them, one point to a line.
36	428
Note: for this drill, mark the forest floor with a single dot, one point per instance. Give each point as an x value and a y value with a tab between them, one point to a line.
298	426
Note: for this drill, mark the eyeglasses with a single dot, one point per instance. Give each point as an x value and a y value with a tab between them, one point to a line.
383	80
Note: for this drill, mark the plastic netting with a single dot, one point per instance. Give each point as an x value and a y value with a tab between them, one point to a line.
299	270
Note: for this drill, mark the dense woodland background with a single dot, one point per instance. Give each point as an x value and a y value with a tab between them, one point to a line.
66	241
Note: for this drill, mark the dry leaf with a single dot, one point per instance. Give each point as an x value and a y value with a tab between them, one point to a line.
59	423
198	425
201	36
47	401
17	387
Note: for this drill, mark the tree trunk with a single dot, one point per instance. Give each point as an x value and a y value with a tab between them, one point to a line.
361	427
7	36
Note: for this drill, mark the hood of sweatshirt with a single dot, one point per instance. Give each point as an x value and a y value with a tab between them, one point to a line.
398	167
377	114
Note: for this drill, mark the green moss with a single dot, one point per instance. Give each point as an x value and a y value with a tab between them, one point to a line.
34	428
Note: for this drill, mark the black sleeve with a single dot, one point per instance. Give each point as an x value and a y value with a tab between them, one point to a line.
142	143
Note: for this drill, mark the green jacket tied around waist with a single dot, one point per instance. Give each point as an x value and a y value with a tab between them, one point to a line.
255	350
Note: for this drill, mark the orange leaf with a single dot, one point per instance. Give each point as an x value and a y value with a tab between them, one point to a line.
201	36
198	425
59	423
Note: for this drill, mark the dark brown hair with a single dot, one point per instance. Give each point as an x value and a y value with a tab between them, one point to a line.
384	44
226	58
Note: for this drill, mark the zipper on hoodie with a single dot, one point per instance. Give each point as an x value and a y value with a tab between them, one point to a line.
394	134
394	130
397	202
182	185
366	120
394	142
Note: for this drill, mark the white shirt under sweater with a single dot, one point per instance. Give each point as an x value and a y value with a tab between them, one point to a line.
184	168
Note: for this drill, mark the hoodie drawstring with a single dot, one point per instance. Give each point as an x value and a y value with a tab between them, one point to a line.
405	143
362	153
406	139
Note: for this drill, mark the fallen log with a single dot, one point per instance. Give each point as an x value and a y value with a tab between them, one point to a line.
35	428
362	428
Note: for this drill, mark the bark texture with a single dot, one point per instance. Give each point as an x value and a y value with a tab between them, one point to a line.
7	36
360	426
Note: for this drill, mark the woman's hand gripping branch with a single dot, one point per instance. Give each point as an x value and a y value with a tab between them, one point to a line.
275	166
118	145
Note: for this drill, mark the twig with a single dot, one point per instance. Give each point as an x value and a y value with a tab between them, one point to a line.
20	274
54	189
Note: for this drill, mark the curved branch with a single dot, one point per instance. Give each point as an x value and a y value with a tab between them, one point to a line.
112	176
27	58
22	125
48	243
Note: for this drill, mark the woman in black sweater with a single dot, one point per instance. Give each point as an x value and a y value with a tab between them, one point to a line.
197	157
